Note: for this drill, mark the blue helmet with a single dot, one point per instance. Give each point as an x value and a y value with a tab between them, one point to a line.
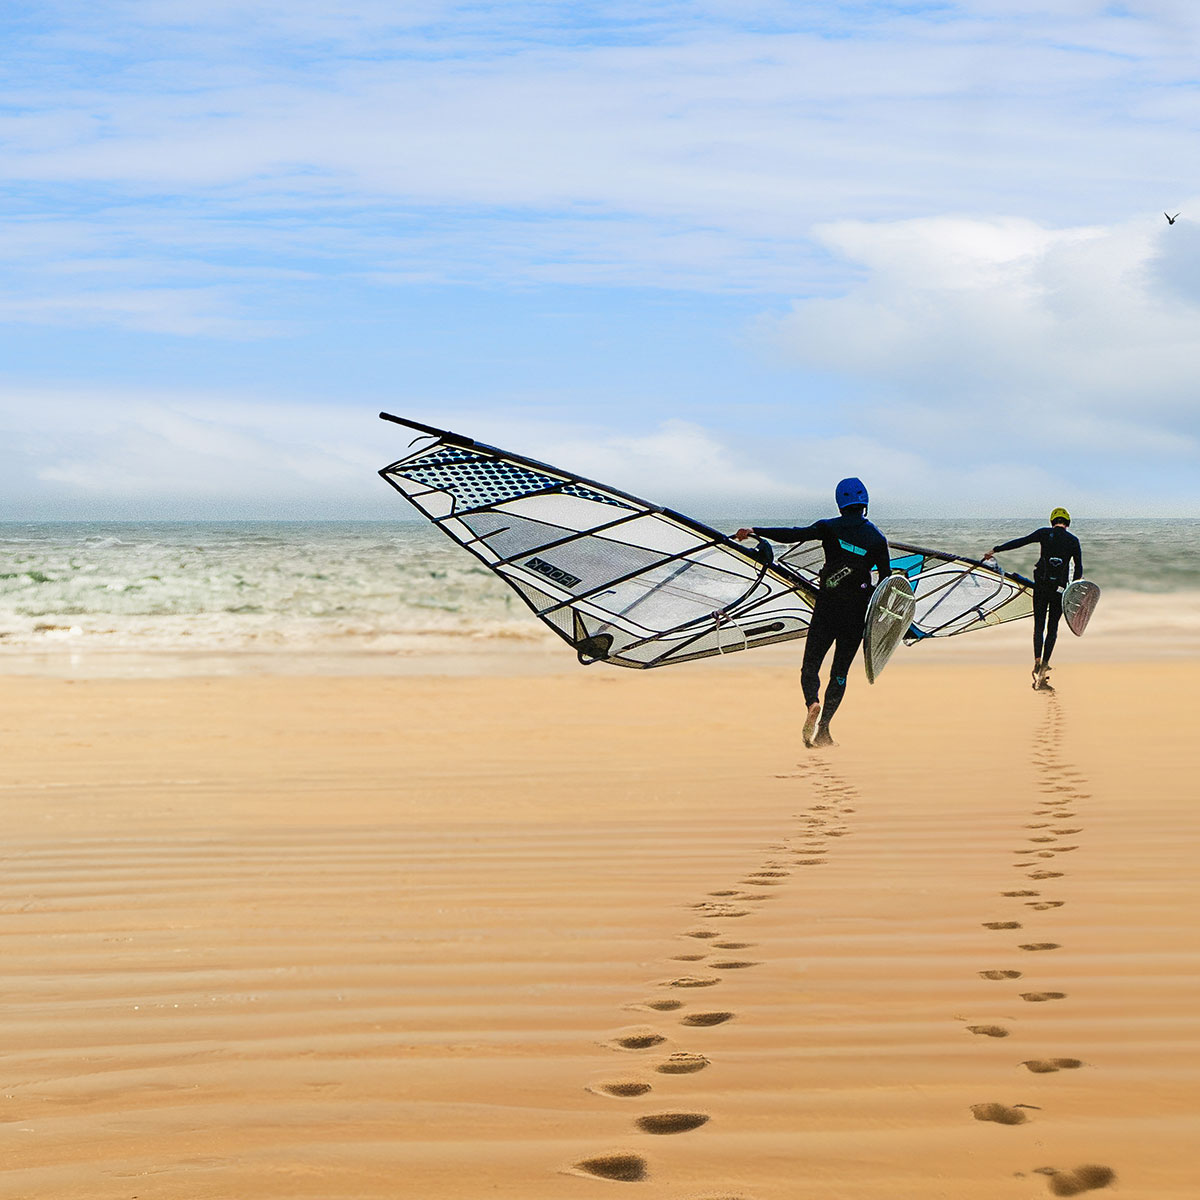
851	491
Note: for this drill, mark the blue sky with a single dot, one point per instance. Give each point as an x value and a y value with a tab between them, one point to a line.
716	253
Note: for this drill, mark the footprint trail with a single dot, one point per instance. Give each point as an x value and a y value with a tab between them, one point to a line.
819	827
1062	796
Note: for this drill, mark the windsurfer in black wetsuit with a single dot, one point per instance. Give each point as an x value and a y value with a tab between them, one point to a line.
853	546
1060	549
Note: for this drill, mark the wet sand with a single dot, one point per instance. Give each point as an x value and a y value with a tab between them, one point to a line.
601	933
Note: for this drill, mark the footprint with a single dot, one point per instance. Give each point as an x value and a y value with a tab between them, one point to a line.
1023	892
692	981
1043	874
732	946
1042	905
1064	832
621	1087
1002	924
1000	974
1003	1114
1040	824
1043	1066
670	1122
732	964
708	933
768	874
1038	997
707	1018
988	1030
1041	946
752	882
637	1039
626	1168
1047	838
1082	1179
688	957
682	1062
662	1005
719	911
725	892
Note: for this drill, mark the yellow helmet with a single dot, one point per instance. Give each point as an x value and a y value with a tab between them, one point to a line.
1060	514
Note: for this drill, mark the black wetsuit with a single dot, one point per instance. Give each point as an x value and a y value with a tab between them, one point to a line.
1060	549
853	546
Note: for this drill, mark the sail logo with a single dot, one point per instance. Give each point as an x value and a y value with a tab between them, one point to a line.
564	578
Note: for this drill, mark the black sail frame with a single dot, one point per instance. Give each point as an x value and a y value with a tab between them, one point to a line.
1005	581
937	577
687	633
984	595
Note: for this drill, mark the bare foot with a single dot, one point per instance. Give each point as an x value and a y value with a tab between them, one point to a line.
810	724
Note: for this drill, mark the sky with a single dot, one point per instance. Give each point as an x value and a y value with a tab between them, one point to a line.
718	254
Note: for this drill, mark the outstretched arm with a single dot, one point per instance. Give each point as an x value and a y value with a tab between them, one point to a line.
807	533
1017	542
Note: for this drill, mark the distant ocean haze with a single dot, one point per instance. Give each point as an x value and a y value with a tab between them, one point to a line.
391	587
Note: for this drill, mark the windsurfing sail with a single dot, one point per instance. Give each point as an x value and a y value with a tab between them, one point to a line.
621	580
953	594
1079	601
889	616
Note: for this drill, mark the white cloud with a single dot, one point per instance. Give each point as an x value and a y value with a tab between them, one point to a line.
147	456
1072	349
206	170
153	455
966	315
178	311
668	144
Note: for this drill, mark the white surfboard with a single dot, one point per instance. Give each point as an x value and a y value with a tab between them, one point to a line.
889	615
1079	602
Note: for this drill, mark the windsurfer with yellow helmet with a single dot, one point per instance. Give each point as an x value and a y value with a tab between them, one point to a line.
1060	551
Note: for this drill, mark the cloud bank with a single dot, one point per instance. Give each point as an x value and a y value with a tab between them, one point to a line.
662	145
950	212
1076	350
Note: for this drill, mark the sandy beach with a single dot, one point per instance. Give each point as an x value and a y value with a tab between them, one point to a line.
584	933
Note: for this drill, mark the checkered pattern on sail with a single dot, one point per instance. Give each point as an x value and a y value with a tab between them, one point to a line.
477	480
621	580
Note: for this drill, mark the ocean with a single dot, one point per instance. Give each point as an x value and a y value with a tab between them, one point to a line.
74	594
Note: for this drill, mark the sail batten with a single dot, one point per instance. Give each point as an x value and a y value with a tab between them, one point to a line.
642	586
953	594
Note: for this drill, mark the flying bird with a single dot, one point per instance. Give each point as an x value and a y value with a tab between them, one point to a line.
1170	220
